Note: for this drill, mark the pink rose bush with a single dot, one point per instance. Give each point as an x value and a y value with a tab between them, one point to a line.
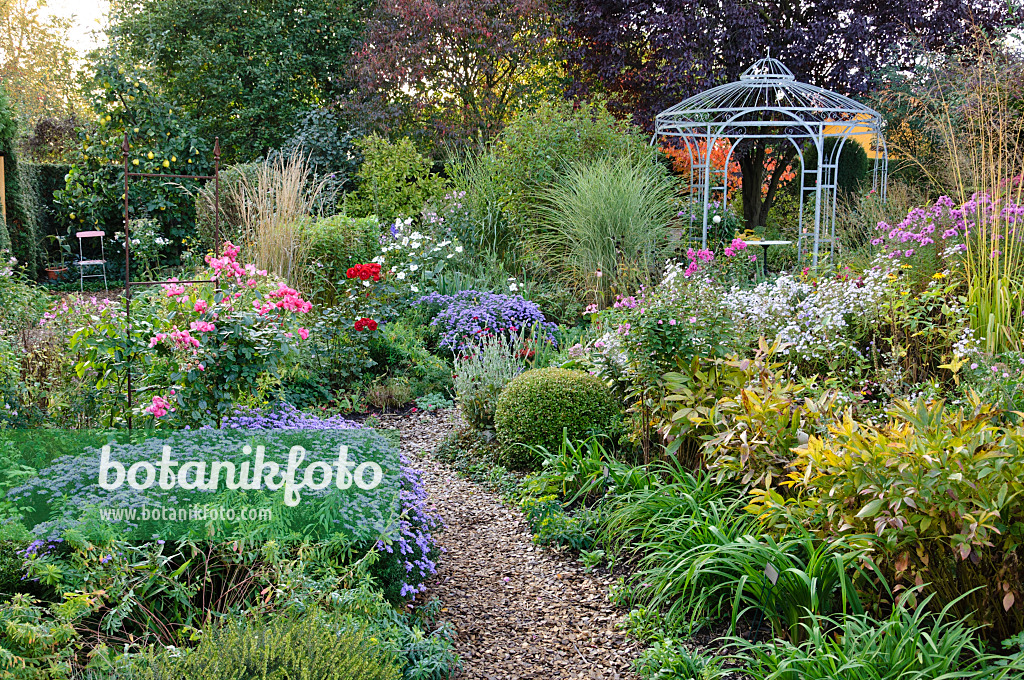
196	348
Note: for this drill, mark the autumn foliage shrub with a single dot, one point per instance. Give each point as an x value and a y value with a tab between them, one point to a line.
942	495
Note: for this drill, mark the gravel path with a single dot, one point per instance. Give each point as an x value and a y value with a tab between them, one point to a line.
520	611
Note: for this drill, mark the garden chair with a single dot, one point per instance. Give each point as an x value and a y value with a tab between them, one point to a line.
83	263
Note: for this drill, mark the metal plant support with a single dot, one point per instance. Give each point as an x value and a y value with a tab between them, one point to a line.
128	283
769	103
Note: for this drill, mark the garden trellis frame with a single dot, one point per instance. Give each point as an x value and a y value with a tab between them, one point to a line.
769	103
128	283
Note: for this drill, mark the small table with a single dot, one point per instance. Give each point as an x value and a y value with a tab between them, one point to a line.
764	245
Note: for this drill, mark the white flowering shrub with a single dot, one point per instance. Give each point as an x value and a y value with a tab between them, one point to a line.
147	243
820	321
413	259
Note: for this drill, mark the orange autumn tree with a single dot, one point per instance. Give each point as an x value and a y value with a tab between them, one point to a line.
680	158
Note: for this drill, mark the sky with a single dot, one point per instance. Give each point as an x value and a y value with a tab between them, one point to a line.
89	19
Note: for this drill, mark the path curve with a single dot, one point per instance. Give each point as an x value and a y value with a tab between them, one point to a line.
519	610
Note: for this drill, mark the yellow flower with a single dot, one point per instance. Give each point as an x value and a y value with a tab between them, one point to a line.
174	159
939	275
149	155
166	164
906	266
135	161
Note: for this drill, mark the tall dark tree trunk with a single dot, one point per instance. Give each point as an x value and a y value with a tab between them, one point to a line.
757	204
752	169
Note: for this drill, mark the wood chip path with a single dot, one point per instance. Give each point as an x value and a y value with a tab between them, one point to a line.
519	610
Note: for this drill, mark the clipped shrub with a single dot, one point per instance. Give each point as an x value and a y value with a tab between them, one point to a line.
535	408
310	645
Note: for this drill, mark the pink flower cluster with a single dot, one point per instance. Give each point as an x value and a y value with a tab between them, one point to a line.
738	245
920	228
75	305
699	258
159	407
181	339
226	264
174	289
944	223
289	299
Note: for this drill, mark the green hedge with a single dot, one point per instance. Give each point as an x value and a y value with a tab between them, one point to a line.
21	214
47	178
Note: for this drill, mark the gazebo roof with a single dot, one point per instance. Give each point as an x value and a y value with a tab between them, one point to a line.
766	96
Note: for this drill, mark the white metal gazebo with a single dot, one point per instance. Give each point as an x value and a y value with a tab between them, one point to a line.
769	103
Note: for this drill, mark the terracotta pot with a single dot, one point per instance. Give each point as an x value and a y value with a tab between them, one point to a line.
54	273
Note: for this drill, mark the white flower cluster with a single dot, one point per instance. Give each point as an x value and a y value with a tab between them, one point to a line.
413	257
817	321
7	263
610	346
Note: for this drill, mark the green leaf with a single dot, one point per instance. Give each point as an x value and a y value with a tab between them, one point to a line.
871	509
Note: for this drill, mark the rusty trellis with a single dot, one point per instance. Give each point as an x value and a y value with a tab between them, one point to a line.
128	283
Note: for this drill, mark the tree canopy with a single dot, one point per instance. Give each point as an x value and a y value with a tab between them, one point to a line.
244	70
648	60
648	57
459	68
36	62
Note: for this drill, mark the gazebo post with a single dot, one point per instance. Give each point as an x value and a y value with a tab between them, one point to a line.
819	144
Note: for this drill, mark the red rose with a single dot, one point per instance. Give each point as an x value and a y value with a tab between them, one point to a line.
351	273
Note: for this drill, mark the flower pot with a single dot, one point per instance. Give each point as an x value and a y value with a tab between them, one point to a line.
53	273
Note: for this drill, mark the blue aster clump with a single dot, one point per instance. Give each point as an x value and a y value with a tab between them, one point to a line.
416	545
285	417
470	314
413	547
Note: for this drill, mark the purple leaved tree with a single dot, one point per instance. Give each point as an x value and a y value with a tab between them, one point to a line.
647	56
